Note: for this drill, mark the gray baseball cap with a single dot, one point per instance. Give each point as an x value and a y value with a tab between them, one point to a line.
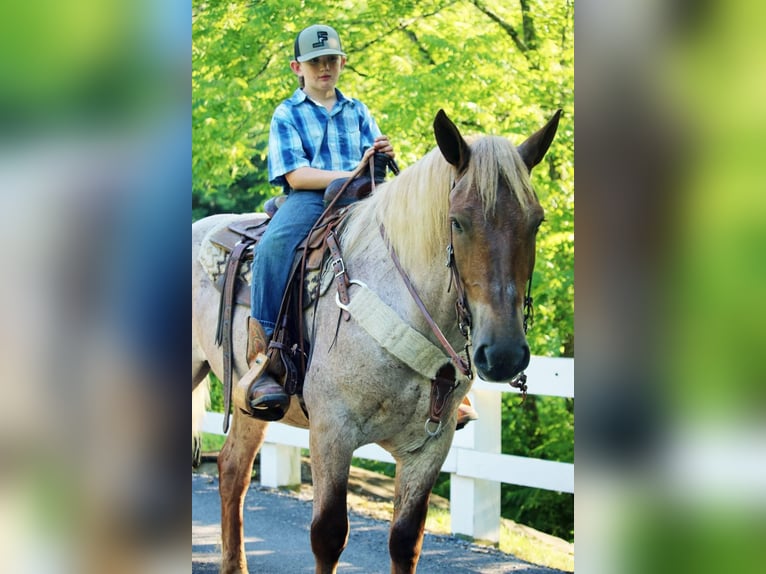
317	40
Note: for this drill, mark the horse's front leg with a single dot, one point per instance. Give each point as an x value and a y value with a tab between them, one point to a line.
330	461
415	477
235	464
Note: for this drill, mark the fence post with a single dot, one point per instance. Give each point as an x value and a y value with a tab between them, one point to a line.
280	465
475	503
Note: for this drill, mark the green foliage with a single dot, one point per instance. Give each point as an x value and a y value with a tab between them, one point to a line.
495	67
216	394
541	427
405	61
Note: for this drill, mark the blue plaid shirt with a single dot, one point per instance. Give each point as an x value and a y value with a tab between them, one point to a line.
305	134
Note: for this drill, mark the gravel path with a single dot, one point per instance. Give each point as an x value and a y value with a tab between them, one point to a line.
277	540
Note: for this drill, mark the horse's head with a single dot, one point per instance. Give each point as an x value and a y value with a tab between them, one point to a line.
495	215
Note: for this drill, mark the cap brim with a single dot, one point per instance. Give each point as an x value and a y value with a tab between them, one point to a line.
318	53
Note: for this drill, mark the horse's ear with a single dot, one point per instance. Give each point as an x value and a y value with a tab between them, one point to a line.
452	145
534	148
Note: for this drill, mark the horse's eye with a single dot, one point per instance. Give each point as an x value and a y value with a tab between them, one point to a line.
456	225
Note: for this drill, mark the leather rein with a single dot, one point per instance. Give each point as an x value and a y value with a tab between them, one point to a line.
461	305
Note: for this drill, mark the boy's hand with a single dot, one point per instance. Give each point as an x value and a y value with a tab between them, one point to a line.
382	145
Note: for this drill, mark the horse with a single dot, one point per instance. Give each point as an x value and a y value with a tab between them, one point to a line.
469	201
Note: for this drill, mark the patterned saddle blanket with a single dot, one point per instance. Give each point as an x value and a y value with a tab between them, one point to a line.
219	243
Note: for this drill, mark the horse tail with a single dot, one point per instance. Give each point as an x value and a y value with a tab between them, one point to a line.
200	403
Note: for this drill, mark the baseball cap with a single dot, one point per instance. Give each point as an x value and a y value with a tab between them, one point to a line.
317	40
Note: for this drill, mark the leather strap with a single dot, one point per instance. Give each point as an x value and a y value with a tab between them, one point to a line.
339	267
461	364
224	334
442	386
461	303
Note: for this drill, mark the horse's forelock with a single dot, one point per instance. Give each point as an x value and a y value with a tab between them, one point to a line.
495	159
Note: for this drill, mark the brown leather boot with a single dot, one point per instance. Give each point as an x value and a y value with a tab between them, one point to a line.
258	393
465	413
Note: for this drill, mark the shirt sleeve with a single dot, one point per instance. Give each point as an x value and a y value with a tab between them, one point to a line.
286	151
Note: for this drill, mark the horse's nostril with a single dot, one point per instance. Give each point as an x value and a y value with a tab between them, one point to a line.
525	358
499	364
480	356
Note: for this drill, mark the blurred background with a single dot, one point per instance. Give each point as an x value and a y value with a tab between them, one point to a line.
95	173
671	217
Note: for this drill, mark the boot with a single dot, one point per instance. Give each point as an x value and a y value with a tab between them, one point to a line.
258	393
465	413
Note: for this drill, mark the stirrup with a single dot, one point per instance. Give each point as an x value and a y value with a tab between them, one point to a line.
272	404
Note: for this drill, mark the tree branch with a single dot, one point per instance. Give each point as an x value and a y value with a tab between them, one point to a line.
507	28
411	35
528	25
403	24
357	72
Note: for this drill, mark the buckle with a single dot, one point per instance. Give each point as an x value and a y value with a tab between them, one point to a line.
335	263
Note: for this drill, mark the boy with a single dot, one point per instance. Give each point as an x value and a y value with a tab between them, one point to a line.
316	136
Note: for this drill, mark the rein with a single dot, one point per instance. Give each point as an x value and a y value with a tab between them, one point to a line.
462	365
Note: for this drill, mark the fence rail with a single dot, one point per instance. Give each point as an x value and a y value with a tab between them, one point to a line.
476	466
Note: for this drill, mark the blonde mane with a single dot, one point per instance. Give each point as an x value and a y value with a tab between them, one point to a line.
414	206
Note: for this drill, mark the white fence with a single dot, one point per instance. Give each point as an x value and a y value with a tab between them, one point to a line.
474	462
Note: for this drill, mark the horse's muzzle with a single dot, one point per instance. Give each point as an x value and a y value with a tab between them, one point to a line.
500	363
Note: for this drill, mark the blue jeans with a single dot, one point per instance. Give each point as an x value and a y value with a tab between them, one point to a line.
275	252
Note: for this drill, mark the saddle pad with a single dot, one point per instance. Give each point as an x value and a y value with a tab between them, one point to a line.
213	258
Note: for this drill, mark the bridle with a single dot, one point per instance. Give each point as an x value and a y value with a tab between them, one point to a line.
463	313
461	364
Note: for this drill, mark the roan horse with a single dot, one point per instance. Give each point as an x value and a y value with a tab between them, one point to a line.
474	196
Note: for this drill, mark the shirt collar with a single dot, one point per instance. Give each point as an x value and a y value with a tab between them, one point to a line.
299	96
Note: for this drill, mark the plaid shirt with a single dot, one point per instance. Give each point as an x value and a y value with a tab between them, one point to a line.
305	134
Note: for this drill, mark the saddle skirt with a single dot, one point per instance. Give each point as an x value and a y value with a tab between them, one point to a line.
219	243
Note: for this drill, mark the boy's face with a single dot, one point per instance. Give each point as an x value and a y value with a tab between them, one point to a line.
320	73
